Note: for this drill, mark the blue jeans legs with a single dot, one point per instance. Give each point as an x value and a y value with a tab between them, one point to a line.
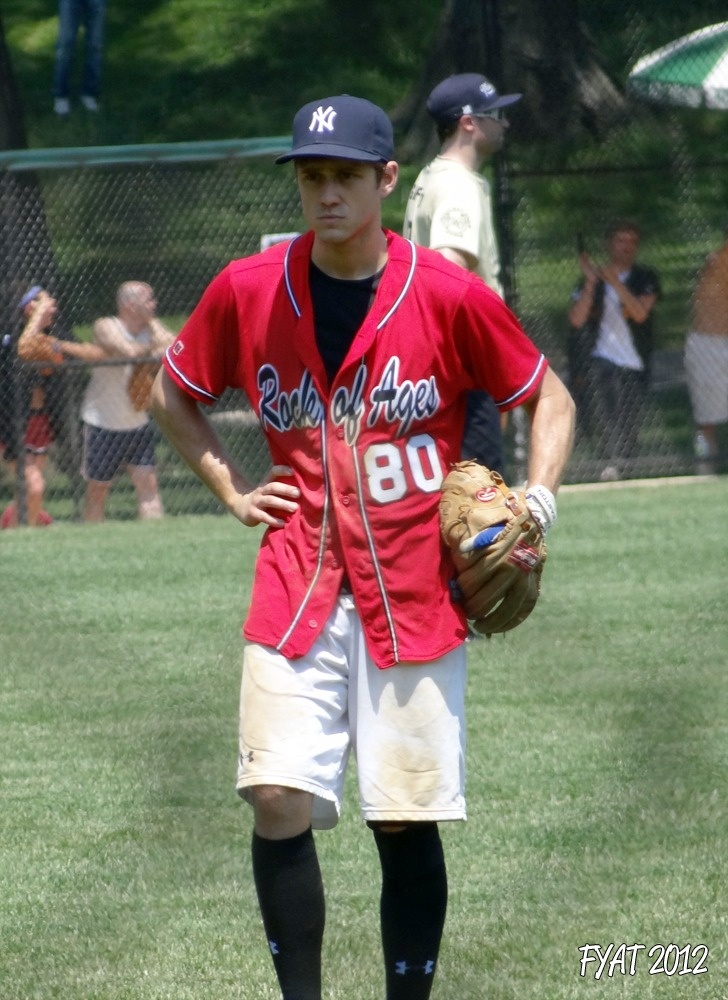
71	15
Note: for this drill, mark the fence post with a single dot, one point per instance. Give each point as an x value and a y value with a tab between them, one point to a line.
503	220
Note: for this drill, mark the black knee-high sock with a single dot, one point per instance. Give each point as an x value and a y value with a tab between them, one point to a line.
413	905
291	898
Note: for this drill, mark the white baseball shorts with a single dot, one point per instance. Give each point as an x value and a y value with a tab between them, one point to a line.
706	369
300	719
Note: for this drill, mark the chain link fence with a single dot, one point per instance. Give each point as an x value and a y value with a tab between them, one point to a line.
81	222
680	207
658	159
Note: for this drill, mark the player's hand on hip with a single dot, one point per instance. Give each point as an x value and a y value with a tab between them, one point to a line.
270	503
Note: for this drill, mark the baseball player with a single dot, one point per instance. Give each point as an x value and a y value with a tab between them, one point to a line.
449	209
356	349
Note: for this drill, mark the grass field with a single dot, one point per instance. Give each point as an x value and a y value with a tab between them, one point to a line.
598	748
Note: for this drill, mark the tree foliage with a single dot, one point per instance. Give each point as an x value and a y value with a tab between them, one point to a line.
543	51
240	69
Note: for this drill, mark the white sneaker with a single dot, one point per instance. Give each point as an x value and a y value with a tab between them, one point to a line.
90	103
610	474
701	448
705	459
62	106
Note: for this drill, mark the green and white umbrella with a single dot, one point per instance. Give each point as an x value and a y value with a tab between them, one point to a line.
692	70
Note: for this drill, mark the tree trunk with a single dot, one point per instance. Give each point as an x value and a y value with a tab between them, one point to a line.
26	252
552	60
459	47
12	191
12	128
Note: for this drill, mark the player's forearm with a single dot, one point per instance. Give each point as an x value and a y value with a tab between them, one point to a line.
194	438
33	326
109	337
552	433
33	342
582	307
637	308
579	313
81	351
162	337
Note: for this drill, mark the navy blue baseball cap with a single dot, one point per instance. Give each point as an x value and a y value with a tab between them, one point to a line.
344	127
31	294
465	94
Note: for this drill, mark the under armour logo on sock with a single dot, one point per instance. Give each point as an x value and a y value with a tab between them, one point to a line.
322	120
273	947
427	969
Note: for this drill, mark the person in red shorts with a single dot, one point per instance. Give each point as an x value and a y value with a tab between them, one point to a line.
37	344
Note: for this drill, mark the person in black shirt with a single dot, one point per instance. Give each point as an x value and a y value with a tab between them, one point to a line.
610	345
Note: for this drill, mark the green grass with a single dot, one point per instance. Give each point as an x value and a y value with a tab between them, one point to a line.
598	748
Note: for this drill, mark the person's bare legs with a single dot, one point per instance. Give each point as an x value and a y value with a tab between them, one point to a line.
94	510
149	501
34	492
34	486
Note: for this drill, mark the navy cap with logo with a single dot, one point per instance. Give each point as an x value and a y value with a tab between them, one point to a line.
465	94
343	127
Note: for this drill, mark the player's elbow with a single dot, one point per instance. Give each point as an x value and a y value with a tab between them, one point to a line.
158	399
563	400
555	398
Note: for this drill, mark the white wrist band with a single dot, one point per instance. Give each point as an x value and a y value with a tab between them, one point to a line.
542	504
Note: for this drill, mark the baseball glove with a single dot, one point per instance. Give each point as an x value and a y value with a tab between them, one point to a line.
496	545
139	386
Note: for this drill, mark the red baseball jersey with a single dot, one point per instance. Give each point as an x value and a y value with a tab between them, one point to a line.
369	451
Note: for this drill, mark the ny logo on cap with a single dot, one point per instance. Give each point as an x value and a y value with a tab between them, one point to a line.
322	120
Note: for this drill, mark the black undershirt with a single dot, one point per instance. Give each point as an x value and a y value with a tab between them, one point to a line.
339	308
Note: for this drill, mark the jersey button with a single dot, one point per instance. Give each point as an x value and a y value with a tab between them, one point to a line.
312	623
345	501
340	434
